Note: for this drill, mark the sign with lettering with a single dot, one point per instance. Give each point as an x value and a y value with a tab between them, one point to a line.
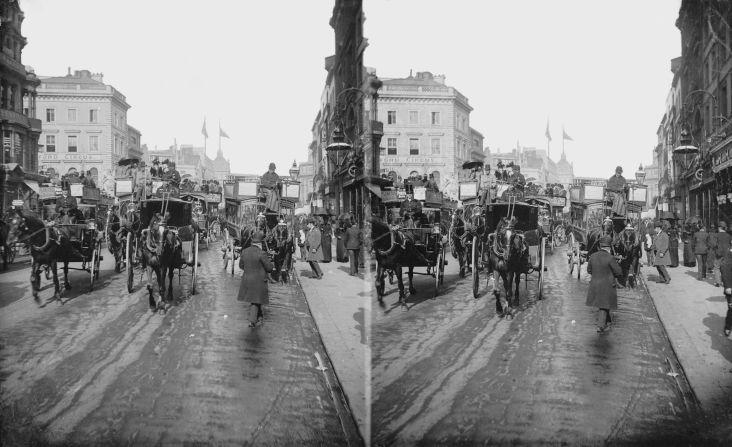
410	160
292	191
123	187
558	201
213	198
17	203
638	194
388	195
468	190
594	192
246	189
433	196
91	194
76	189
419	193
47	192
50	157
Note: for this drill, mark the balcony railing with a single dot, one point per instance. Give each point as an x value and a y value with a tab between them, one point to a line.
9	61
14	117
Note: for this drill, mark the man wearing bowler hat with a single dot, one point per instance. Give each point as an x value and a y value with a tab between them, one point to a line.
661	257
602	292
253	289
410	209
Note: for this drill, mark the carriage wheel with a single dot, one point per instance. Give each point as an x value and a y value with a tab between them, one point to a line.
233	259
541	268
99	260
580	261
572	257
442	266
194	272
128	261
91	264
475	259
438	269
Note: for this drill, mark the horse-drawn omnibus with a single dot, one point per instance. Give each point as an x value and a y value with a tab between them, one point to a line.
246	212
550	217
592	216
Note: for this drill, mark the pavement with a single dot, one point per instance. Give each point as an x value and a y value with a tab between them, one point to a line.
693	313
339	304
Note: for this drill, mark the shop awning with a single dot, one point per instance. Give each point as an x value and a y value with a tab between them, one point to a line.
374	189
32	184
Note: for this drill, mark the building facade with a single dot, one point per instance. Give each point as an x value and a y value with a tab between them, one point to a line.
426	130
698	114
19	127
84	126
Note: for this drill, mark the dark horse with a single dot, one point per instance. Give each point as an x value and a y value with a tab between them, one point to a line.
509	258
171	257
629	250
394	250
152	250
283	245
458	241
44	249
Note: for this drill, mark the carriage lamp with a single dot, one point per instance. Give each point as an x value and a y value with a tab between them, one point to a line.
338	146
294	170
686	146
640	174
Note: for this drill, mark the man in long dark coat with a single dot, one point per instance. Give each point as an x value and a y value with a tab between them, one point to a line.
700	246
661	257
616	186
253	289
314	245
270	186
602	292
726	270
352	241
721	246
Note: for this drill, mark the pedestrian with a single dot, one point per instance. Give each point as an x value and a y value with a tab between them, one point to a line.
699	244
340	232
353	242
256	265
326	232
726	270
649	249
686	238
661	257
673	244
602	292
721	244
301	244
314	244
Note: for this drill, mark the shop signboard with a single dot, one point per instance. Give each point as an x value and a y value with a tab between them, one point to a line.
388	195
420	193
48	192
213	198
76	189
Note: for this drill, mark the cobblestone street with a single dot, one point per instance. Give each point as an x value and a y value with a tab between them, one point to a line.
449	371
103	369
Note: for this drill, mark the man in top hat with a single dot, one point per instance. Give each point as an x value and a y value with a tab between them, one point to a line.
721	244
171	174
602	292
256	265
410	209
617	186
66	202
661	256
270	185
156	170
517	178
487	184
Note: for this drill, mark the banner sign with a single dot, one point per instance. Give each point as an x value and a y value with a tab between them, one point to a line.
213	198
558	201
388	195
17	203
420	193
76	189
468	190
433	197
91	194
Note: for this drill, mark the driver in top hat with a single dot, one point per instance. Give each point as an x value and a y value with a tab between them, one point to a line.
410	209
270	185
616	187
170	174
517	178
66	202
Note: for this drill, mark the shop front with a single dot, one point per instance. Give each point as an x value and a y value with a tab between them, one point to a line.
20	189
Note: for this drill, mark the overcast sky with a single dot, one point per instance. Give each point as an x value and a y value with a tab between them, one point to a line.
599	68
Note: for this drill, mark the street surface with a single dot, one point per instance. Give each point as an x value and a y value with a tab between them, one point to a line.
449	371
102	369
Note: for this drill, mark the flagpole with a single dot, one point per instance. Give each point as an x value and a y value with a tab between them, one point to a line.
219	136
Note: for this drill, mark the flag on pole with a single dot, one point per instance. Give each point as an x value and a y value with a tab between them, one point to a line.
222	133
565	136
203	130
546	133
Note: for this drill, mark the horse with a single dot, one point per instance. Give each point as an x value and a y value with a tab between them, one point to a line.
44	249
394	250
628	248
171	257
115	236
508	259
70	235
457	235
594	235
283	245
151	251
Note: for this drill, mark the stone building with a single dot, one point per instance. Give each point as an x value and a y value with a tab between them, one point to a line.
699	114
426	129
19	127
85	126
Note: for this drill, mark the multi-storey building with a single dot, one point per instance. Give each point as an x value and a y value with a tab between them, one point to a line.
85	126
427	129
700	107
193	161
135	148
19	127
536	166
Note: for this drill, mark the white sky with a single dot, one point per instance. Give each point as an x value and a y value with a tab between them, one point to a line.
601	68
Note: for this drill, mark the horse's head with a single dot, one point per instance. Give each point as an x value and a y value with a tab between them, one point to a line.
281	235
607	227
17	227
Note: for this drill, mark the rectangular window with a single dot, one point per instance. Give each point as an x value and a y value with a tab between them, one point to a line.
50	115
414	146
50	143
71	115
93	143
391	117
71	145
413	117
435	118
435	146
391	146
93	116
